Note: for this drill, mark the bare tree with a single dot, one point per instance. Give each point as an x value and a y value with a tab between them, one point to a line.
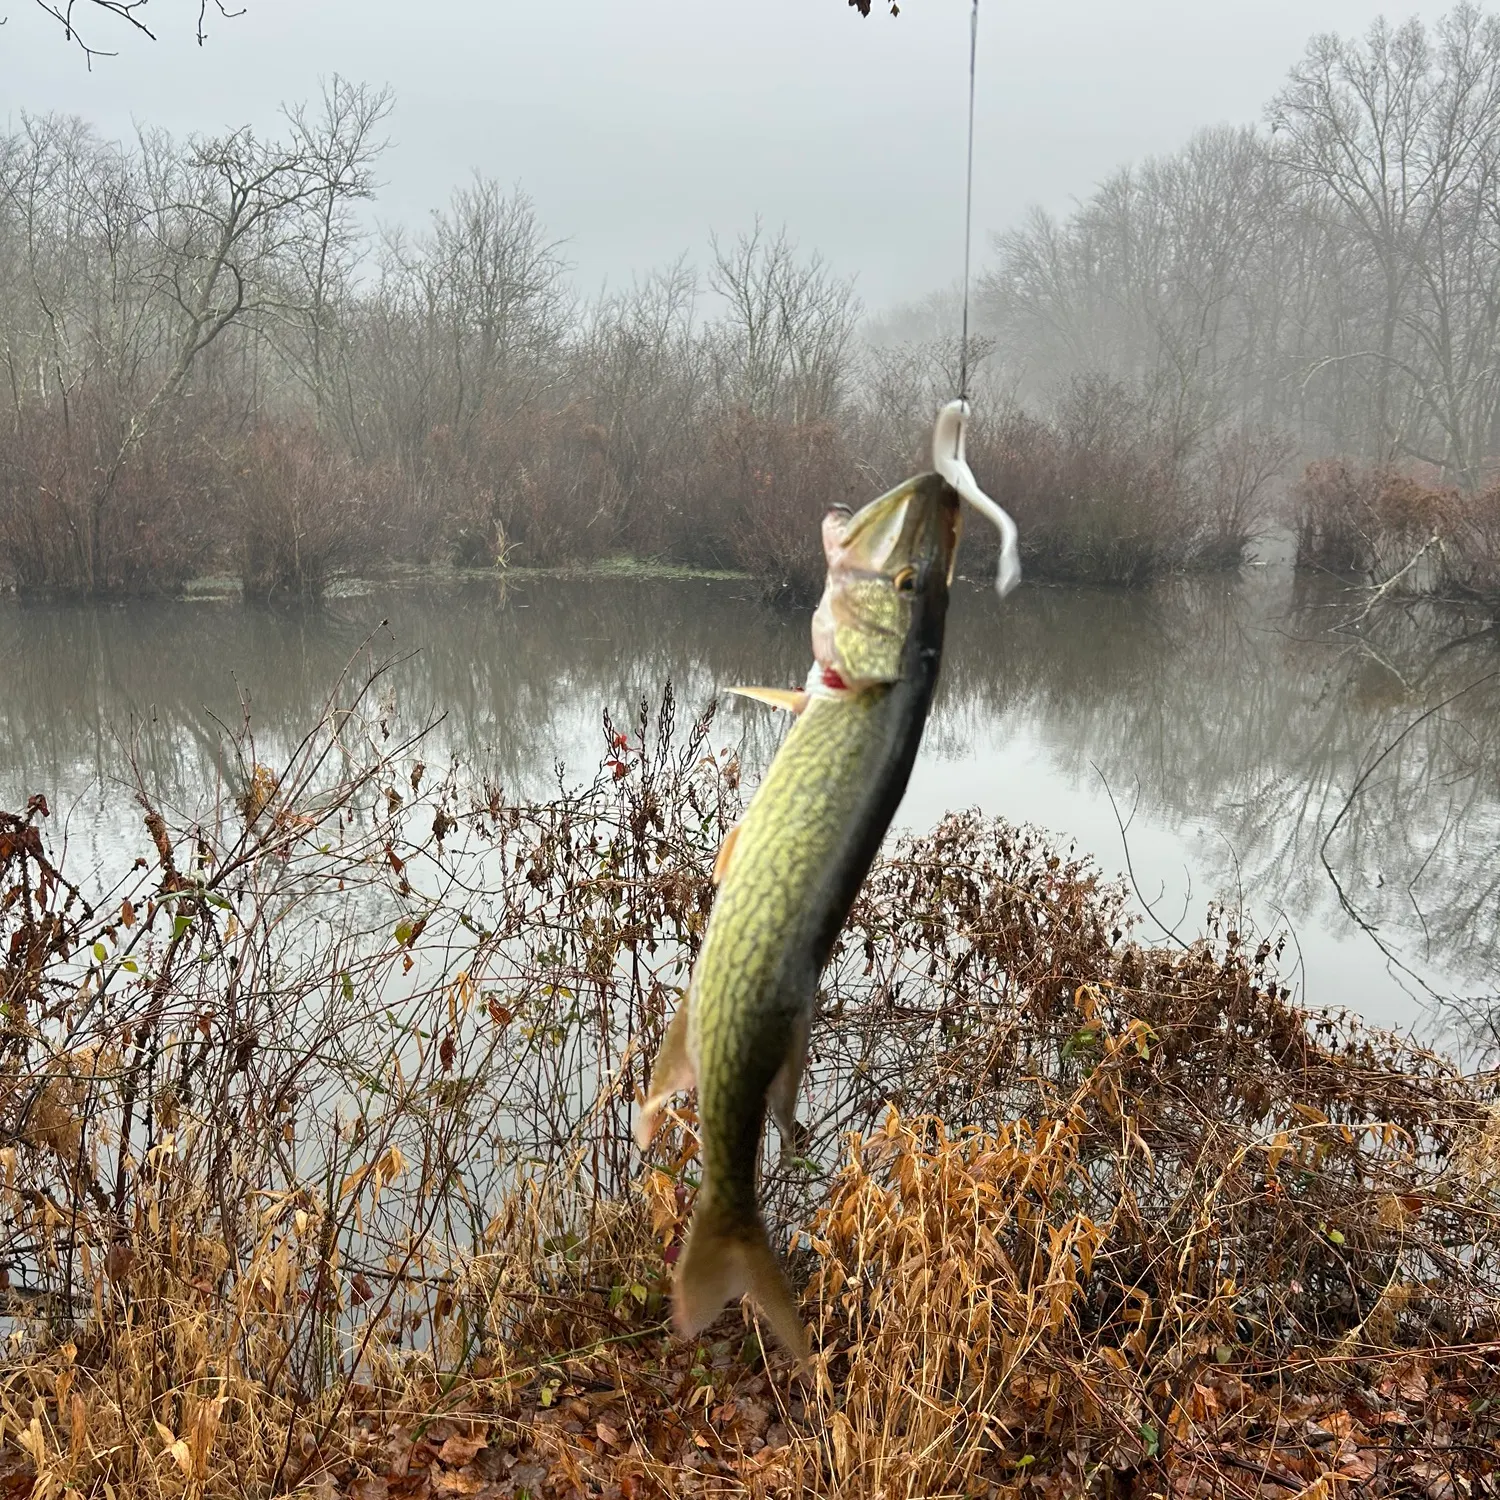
125	267
1401	134
129	14
1336	276
783	344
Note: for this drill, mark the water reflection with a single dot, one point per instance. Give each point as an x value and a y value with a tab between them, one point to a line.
1238	732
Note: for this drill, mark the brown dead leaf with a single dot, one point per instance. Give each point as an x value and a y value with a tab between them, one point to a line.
1435	1479
1339	1423
528	1476
460	1449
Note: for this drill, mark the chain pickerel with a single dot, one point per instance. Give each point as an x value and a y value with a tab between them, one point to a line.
789	871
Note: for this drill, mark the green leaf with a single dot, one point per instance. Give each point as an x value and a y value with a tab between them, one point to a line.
347	985
403	933
215	899
180	925
130	966
1335	1236
1081	1040
1151	1438
101	953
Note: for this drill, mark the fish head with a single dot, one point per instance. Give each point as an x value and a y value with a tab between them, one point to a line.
889	563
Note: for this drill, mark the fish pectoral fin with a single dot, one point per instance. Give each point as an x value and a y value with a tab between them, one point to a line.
787	1084
723	1260
794	700
725	857
672	1070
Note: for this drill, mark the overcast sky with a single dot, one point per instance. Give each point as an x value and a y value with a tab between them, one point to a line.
640	125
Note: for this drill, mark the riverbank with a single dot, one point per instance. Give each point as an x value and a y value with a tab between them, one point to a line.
1104	490
319	1173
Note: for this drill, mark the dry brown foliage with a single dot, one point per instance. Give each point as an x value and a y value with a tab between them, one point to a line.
305	513
316	1169
1106	491
1404	533
72	520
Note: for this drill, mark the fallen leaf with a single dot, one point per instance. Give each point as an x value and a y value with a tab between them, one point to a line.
455	1482
460	1449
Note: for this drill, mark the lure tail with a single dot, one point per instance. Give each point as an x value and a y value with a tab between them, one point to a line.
724	1258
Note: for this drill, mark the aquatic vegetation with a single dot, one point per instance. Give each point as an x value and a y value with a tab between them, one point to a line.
316	1167
1405	534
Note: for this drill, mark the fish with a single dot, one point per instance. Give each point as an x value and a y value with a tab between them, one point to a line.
788	874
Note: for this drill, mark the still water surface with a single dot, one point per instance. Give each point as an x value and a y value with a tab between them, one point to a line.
1241	738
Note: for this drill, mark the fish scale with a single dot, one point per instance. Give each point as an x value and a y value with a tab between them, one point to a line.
748	989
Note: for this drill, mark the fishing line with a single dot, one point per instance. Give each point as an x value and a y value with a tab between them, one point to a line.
963	351
948	431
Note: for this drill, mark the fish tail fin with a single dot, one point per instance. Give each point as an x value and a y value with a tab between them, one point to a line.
726	1258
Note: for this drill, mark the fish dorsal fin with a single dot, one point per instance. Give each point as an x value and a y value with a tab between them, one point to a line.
725	857
794	700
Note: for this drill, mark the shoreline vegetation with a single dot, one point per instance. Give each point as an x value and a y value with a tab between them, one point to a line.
317	1177
213	366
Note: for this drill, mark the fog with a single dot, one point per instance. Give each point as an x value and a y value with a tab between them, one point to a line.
638	128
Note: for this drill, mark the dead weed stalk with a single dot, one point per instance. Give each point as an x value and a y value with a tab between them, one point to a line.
315	1163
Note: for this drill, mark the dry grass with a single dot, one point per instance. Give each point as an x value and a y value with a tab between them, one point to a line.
316	1169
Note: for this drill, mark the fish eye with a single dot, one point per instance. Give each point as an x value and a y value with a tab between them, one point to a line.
905	581
840	510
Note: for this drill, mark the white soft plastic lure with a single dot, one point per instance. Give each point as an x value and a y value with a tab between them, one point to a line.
949	461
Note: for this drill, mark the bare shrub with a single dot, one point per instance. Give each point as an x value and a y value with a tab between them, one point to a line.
1231	481
765	484
1372	521
316	1130
532	488
303	513
1470	561
1100	492
153	529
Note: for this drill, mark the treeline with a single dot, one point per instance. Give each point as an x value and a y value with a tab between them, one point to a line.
212	364
1335	275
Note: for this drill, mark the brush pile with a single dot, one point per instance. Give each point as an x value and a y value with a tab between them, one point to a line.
316	1177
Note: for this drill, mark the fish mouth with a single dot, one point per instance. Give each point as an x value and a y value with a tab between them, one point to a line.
915	525
886	563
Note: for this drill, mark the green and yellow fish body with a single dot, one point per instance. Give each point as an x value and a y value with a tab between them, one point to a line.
789	873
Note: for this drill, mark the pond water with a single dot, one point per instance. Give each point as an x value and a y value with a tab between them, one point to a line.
1219	736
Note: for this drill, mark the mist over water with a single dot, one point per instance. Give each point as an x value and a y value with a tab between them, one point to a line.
1235	731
